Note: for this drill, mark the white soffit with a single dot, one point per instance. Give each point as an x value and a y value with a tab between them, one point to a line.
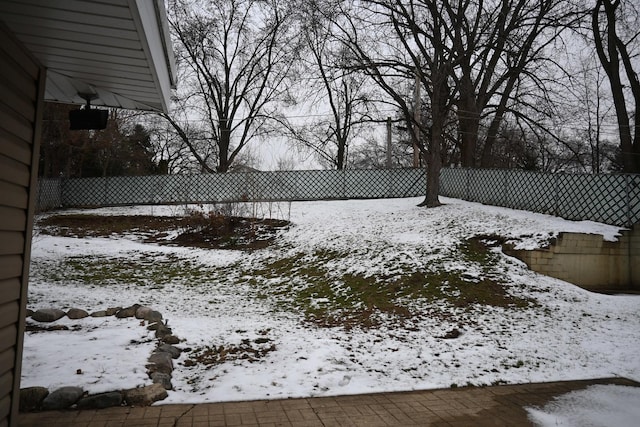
118	50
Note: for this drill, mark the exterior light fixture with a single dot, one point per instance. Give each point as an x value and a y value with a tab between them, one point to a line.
88	118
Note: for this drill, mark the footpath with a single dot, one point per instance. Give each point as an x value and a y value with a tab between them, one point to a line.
465	406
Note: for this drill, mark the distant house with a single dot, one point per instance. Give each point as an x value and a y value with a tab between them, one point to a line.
118	53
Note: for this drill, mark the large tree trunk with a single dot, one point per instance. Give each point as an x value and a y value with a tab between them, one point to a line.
341	154
223	147
434	165
439	101
469	123
609	56
468	120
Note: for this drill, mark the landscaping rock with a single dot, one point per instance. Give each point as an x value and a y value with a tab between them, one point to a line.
452	334
76	313
127	312
162	331
47	315
171	339
160	362
153	316
168	348
62	398
154	326
111	311
99	313
101	401
141	312
163	379
145	396
31	398
148	314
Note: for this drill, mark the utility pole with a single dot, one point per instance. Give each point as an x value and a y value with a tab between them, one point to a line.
388	142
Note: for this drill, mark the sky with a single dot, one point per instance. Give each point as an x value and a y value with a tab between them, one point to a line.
566	333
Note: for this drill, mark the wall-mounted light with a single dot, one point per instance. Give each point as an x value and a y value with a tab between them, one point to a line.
87	118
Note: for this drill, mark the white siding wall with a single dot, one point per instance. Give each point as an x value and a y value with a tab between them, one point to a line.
22	89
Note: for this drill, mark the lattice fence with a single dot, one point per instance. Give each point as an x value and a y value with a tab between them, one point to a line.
237	187
612	199
49	195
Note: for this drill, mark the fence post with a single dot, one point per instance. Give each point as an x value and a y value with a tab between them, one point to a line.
106	191
628	200
555	194
467	175
505	201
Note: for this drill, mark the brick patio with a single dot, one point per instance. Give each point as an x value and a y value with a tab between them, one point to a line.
466	406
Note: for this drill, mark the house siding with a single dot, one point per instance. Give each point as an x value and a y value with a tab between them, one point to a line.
22	86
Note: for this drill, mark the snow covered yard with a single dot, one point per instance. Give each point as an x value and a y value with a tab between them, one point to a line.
355	296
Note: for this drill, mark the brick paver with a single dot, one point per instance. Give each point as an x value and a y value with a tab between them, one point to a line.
465	406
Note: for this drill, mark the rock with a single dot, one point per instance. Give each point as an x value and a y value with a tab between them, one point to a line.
168	348
160	362
163	379
146	313
154	326
127	312
111	311
62	398
99	313
145	396
76	313
47	315
162	331
31	398
141	312
29	312
452	334
171	339
100	401
153	316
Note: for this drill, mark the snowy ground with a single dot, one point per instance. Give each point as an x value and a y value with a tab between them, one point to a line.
225	298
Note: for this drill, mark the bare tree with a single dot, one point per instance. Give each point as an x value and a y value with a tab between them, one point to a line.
609	21
587	112
340	99
239	54
496	43
396	41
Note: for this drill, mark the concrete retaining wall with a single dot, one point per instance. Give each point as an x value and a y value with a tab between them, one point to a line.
588	261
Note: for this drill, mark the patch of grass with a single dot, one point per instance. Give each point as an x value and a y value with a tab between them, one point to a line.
140	271
327	297
307	283
477	250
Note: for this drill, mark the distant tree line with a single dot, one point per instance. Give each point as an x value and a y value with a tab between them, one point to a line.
120	149
547	85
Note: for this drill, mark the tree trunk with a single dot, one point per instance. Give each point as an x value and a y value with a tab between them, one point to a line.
469	122
609	56
486	160
434	165
341	154
223	146
439	101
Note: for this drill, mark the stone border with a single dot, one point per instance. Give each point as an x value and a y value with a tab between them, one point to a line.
159	366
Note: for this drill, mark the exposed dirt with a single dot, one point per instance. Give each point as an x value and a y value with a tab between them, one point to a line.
203	231
250	350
